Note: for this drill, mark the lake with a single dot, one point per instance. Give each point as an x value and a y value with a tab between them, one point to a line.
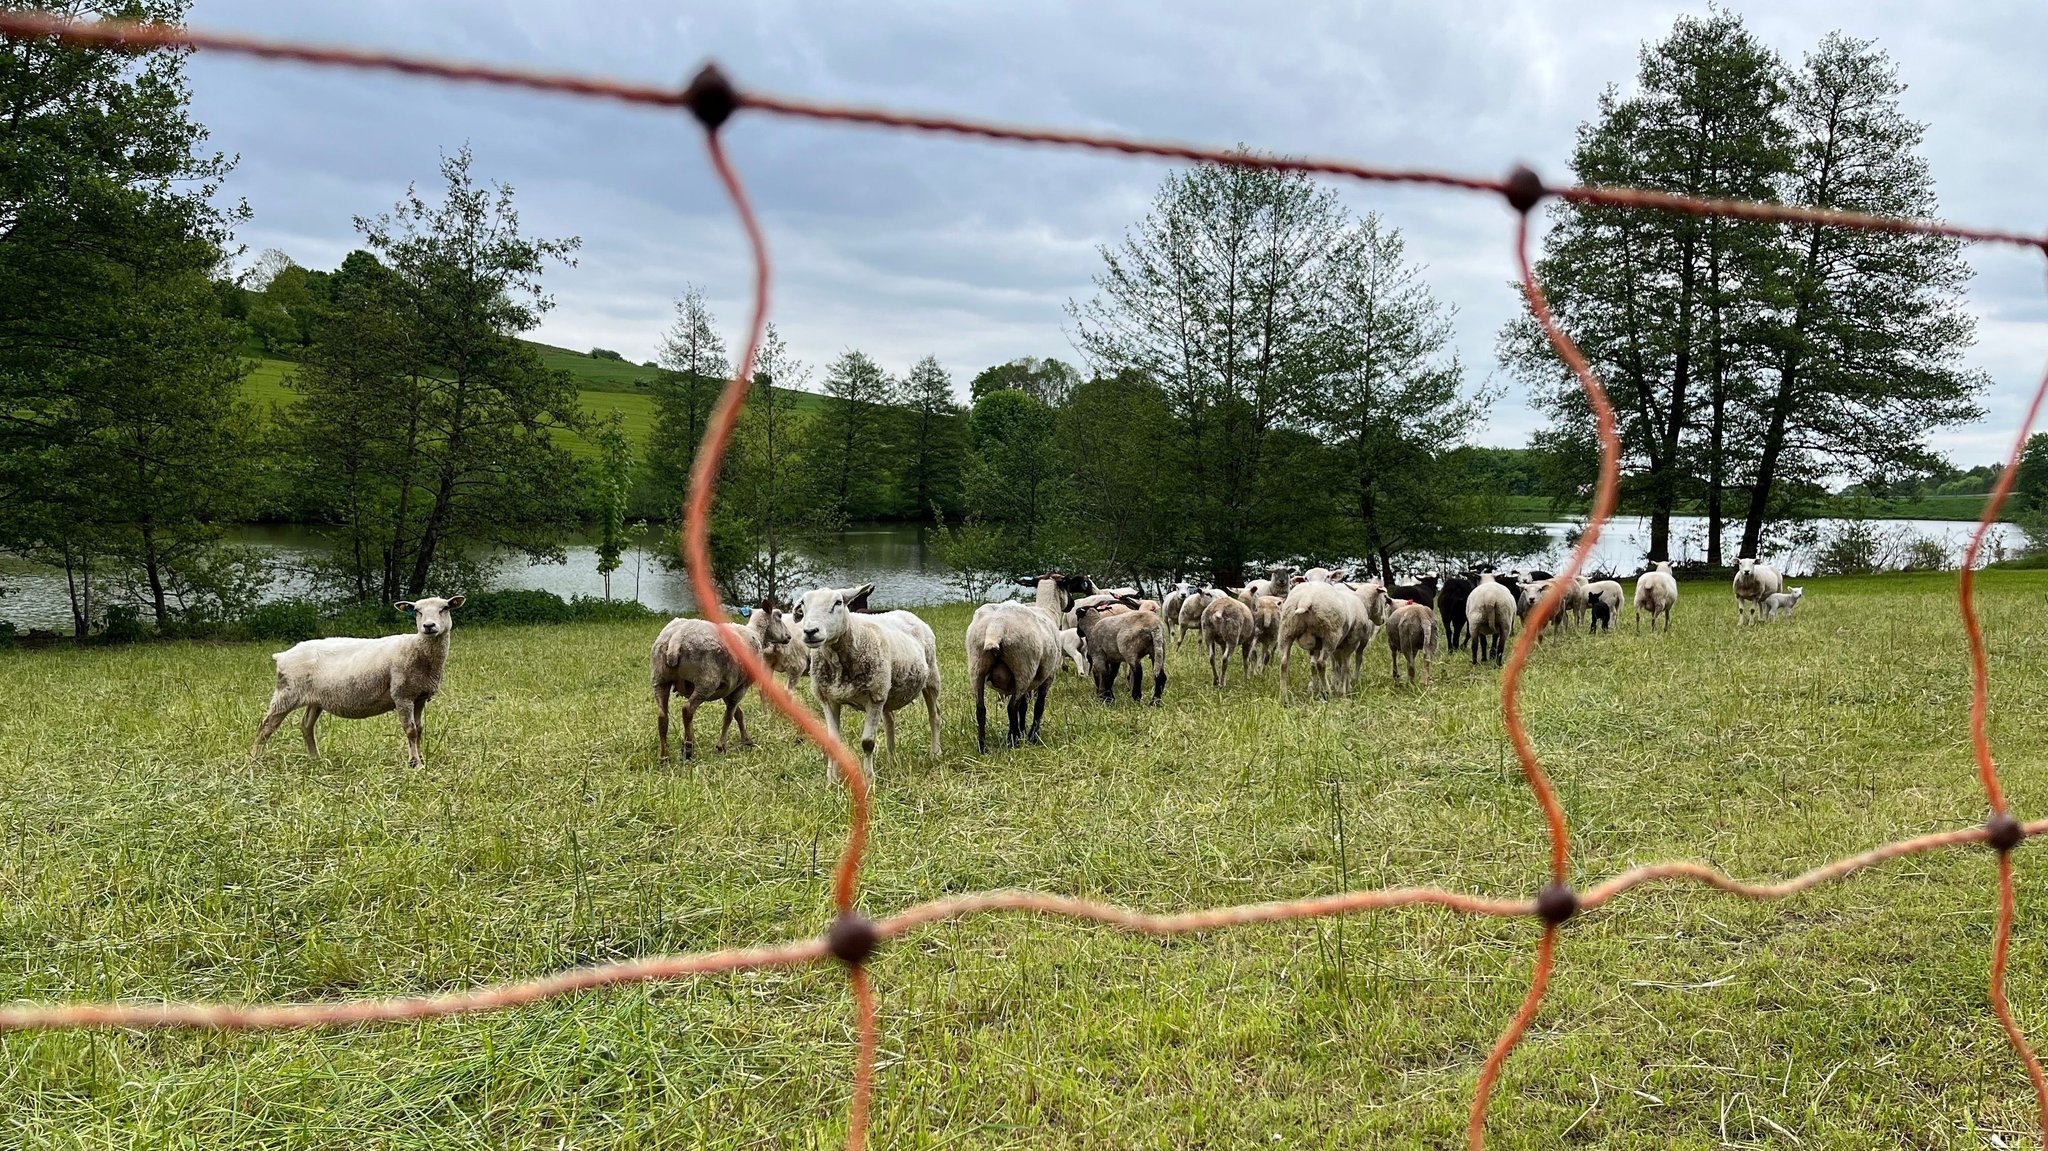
896	559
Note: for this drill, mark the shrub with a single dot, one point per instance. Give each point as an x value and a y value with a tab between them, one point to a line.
365	619
516	605
1925	555
124	624
287	621
606	354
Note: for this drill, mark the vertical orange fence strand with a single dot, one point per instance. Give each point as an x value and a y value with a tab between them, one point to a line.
851	938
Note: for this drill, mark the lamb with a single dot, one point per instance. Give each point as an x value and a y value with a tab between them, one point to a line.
359	678
1656	593
1451	603
1490	613
689	657
1228	625
1754	583
1116	635
1070	644
779	649
1017	649
1265	624
1170	609
1321	617
1412	630
1190	617
1605	591
1375	608
877	663
1422	591
1783	602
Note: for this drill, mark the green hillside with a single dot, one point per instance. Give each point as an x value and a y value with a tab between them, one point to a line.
606	385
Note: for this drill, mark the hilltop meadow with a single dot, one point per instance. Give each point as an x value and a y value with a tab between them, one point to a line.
147	856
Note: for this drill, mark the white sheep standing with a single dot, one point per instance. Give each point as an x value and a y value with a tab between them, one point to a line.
1656	593
1490	616
689	657
1118	635
1016	649
1189	618
1074	650
1227	626
359	678
1266	623
1411	631
1754	583
1783	603
877	663
1322	618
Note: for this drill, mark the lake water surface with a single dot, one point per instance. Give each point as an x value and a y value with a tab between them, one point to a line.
895	558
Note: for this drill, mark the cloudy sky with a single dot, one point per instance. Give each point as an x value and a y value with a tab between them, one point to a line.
904	246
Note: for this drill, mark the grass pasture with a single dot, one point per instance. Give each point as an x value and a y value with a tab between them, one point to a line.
143	854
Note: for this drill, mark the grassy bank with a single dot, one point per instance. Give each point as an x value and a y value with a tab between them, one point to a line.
145	855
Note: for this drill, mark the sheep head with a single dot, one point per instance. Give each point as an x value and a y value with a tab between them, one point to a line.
430	616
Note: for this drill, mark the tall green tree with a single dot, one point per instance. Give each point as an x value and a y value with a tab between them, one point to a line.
768	498
428	423
1049	381
614	482
850	438
1668	307
933	440
1016	479
1391	406
109	233
693	372
1864	346
1220	295
1117	438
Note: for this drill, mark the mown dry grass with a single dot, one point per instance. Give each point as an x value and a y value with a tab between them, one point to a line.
142	854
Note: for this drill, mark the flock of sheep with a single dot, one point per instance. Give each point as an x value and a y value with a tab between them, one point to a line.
879	662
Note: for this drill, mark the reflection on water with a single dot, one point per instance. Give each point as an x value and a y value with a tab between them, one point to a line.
894	557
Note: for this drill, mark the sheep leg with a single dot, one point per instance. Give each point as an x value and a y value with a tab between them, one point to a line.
831	711
1038	713
739	716
1286	658
981	715
1158	677
409	720
306	726
931	714
724	725
689	728
281	705
874	712
1138	679
1020	715
661	693
1215	678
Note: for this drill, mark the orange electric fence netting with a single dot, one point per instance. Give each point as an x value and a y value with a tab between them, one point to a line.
852	937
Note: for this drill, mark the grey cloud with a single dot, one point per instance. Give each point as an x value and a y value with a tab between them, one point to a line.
904	245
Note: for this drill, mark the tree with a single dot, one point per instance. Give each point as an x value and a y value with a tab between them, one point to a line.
1668	306
850	448
426	422
1014	481
1391	407
287	307
1049	381
1220	296
1864	346
110	345
767	500
614	489
693	371
1117	436
933	447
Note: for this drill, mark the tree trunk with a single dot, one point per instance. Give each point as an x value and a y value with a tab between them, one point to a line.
152	567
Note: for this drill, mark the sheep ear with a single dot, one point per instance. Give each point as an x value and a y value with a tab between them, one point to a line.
457	601
858	601
404	605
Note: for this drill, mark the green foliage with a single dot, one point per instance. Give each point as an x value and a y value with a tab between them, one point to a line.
852	443
606	354
425	424
124	625
768	496
614	480
286	621
933	438
1117	438
693	372
1018	480
1750	362
528	606
977	555
1049	381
